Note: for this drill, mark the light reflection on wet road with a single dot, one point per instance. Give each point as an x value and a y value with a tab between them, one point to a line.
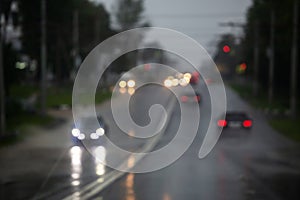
76	168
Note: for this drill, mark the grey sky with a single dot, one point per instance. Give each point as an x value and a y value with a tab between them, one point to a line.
198	19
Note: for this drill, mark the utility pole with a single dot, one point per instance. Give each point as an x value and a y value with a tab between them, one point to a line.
232	26
293	88
43	57
271	57
256	59
2	88
75	39
97	29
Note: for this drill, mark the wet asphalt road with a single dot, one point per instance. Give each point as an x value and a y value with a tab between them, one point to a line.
255	164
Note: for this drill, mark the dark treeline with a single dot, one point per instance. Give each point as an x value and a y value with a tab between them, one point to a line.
60	31
259	19
93	25
73	29
260	13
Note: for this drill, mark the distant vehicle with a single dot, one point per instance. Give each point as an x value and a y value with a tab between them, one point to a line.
85	130
236	120
191	97
182	79
127	84
194	78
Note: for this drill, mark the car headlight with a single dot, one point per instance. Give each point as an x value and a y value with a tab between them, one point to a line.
94	136
100	131
168	83
122	84
131	83
131	91
75	132
187	76
175	82
81	136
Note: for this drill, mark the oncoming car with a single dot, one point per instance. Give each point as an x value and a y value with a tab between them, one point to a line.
89	132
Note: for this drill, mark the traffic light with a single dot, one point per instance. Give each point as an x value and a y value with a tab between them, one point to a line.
241	68
226	49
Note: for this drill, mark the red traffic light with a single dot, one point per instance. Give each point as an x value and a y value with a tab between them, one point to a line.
226	49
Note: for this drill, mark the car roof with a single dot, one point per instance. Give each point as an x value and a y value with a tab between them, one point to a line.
236	114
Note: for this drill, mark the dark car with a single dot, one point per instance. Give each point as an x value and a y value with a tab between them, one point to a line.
87	131
236	120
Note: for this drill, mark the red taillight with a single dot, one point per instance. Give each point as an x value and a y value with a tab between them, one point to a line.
247	123
197	98
184	98
222	123
195	74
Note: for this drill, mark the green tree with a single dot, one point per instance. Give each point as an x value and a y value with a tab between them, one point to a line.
260	13
129	14
60	31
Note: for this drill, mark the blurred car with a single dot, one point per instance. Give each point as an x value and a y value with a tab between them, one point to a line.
195	78
87	131
236	120
127	84
191	97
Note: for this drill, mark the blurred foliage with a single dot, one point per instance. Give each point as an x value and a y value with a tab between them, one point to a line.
23	91
242	50
287	127
56	95
24	119
22	86
261	101
279	121
129	14
260	13
60	31
11	74
16	127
